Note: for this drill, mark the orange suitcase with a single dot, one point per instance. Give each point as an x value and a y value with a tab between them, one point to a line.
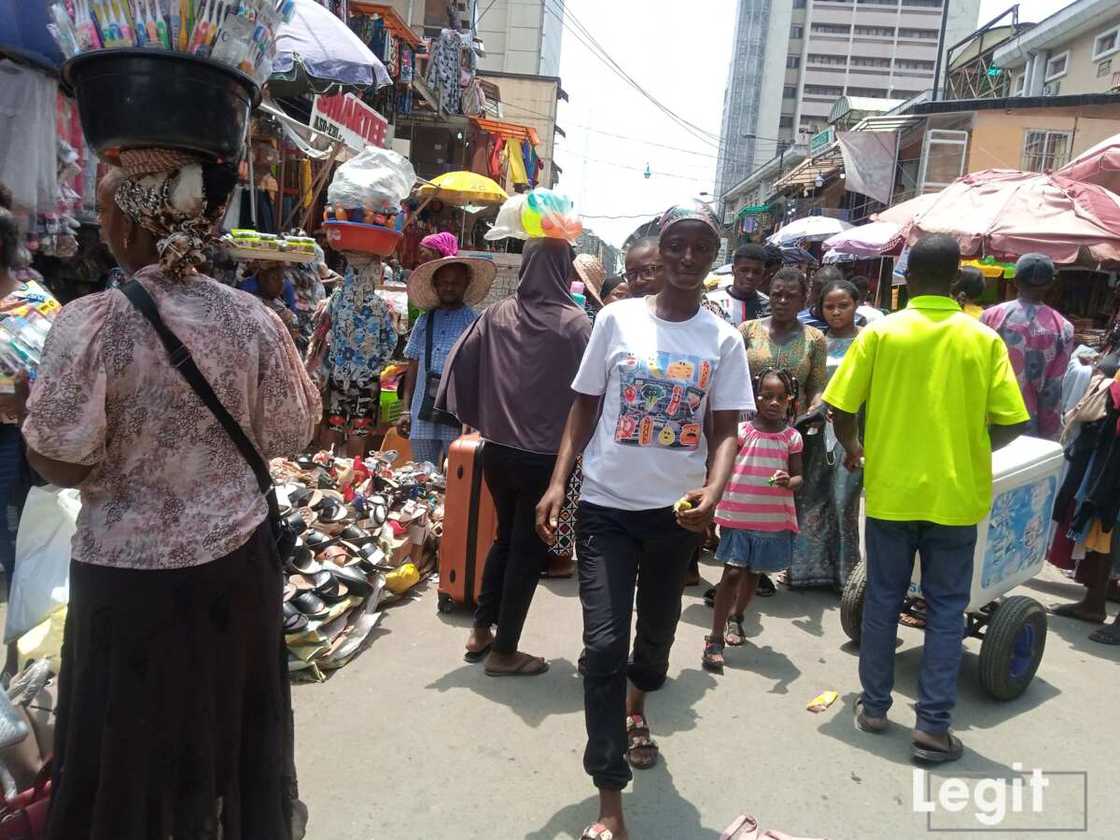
470	526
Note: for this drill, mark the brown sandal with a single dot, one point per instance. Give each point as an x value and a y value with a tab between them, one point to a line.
637	734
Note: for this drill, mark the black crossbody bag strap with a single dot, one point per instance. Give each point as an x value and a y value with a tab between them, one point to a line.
180	358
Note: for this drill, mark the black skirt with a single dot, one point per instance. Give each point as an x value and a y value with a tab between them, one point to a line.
174	705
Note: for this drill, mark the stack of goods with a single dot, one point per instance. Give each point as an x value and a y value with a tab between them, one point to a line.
238	33
244	244
369	533
537	214
363	212
23	331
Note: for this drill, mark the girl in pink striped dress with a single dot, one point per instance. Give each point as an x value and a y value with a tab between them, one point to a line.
757	516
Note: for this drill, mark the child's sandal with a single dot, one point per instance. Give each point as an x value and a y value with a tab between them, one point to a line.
733	632
713	654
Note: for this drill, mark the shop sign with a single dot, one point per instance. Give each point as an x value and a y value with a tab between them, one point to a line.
821	140
754	210
343	116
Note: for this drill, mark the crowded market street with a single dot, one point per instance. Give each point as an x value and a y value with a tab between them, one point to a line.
559	420
460	755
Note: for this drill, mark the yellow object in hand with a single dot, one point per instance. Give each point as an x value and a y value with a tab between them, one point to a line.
682	505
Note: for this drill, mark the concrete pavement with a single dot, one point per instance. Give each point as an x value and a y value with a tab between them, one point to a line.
409	741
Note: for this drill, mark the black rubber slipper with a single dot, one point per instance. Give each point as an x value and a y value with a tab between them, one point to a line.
473	656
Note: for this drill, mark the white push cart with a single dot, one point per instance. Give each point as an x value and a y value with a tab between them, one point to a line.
1010	549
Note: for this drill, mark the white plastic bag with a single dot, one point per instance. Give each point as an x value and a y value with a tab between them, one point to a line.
376	179
41	582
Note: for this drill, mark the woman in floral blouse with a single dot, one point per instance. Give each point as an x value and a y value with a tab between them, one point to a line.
174	716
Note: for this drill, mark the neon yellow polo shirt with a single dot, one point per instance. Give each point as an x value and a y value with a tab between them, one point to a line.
933	380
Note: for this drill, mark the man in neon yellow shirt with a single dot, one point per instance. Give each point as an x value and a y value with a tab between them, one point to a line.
940	395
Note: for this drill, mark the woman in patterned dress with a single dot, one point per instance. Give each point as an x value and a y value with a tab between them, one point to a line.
174	715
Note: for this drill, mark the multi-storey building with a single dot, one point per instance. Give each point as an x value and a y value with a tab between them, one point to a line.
794	58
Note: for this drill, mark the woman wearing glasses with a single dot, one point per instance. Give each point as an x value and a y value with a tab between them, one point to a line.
643	268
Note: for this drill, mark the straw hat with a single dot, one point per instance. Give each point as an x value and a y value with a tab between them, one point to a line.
591	272
422	294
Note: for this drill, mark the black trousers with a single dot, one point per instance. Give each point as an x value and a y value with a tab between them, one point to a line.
517	481
618	551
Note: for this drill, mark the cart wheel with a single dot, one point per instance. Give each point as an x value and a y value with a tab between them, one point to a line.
444	603
1012	647
851	602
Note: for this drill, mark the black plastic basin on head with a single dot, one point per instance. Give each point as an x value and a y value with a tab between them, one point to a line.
147	98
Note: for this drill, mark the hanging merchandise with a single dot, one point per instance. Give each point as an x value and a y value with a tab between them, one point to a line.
443	70
28	165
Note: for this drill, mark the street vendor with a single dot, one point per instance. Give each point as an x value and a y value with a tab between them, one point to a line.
362	340
446	290
269	283
174	561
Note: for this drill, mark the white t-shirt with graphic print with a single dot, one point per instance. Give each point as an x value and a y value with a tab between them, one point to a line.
658	379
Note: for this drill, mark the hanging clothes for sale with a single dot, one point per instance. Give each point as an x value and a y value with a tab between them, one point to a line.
529	154
516	162
443	70
407	64
28	138
497	162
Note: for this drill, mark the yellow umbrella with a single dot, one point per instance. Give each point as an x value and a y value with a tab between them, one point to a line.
459	188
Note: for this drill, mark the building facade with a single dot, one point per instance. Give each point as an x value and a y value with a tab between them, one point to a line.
1074	51
794	58
521	36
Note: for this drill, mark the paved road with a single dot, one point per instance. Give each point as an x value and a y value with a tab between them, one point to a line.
410	742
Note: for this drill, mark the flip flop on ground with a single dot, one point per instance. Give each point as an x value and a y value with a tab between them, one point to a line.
1080	612
524	665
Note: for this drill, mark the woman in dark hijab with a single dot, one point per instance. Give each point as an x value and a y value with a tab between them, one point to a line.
508	377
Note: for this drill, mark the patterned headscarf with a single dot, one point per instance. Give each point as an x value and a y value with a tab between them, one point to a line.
162	191
445	244
696	211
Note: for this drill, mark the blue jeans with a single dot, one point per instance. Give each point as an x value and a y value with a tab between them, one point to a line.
946	553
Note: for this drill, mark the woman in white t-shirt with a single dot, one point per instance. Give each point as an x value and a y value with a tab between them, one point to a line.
656	366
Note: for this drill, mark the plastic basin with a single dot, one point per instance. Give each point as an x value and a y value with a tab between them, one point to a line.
366	239
147	98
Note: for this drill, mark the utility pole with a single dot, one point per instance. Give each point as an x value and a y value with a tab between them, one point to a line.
940	51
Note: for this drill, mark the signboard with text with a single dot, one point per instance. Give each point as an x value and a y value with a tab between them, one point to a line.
345	117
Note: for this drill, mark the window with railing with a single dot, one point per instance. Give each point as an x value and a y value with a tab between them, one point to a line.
796	32
831	60
867	61
927	4
874	93
912	64
919	34
876	31
793	62
831	28
824	90
1045	151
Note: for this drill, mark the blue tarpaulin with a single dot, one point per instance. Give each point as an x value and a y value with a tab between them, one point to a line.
23	32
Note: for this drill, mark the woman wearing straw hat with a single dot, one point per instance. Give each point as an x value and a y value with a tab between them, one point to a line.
445	289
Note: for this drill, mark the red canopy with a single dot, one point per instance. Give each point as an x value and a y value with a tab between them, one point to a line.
1099	165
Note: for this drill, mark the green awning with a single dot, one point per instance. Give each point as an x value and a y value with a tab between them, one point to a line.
753	210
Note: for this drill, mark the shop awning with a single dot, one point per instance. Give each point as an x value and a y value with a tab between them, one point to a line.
393	22
508	130
805	174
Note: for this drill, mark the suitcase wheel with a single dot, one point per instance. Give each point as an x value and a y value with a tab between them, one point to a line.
444	603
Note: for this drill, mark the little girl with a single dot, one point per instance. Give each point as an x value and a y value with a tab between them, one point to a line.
756	515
